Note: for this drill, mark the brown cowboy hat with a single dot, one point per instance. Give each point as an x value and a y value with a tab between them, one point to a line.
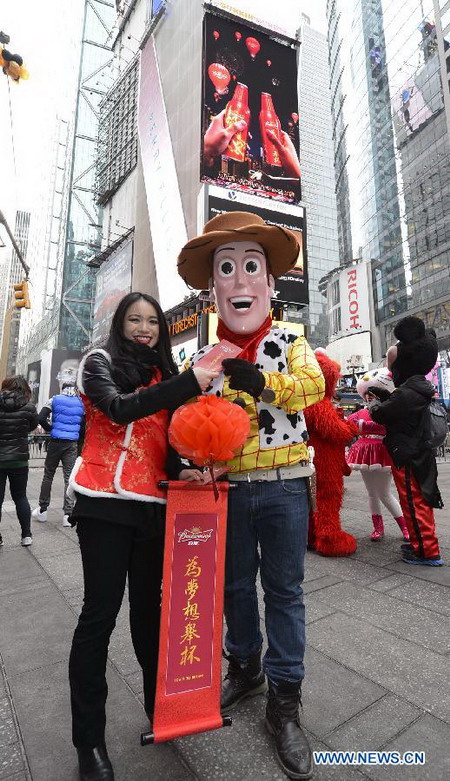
195	259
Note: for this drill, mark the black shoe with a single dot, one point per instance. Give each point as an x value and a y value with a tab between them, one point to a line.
243	679
94	764
283	722
407	547
413	558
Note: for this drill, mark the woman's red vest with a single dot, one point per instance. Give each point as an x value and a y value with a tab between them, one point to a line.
122	461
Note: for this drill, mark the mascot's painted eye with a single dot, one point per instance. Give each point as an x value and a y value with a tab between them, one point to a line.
252	265
226	267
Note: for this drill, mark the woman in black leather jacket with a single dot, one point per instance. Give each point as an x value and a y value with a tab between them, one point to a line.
18	417
128	389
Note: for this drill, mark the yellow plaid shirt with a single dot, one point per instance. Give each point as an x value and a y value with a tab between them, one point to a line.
301	386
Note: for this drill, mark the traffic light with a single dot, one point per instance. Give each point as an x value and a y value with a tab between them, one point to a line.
22	297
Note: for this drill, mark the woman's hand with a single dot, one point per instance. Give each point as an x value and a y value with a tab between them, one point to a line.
191	475
204	377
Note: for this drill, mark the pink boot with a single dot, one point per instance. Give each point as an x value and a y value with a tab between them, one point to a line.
378	528
403	527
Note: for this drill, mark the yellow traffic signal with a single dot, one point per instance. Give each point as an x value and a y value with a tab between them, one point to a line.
22	297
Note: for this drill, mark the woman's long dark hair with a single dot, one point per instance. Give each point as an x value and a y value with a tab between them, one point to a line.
133	363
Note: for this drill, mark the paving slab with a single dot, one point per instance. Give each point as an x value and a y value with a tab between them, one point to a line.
432	596
402	667
11	761
390	582
374	726
427	733
414	623
36	629
48	740
347	693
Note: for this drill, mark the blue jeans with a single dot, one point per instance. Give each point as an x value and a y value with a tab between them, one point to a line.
275	515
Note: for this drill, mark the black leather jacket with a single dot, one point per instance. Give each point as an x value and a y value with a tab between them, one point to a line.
100	387
17	418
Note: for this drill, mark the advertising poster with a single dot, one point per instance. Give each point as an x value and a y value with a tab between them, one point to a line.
291	287
64	368
33	380
113	282
250	122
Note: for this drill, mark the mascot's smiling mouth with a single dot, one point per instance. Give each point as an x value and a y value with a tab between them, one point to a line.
242	302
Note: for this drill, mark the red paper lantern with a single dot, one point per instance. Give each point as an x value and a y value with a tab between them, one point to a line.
269	62
238	35
253	46
216	35
208	430
220	77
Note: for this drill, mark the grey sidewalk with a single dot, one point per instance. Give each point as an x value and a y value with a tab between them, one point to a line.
378	663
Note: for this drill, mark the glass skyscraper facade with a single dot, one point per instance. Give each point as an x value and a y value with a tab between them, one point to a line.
402	160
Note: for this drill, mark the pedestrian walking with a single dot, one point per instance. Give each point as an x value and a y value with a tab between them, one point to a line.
129	389
62	417
18	417
404	413
369	456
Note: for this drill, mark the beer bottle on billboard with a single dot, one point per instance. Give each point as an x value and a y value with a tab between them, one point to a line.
268	120
237	109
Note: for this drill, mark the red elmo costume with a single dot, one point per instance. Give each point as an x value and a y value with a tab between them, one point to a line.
328	434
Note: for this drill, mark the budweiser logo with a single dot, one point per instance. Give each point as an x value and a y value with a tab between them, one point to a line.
195	535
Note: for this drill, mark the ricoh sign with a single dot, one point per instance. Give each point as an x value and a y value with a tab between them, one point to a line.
354	297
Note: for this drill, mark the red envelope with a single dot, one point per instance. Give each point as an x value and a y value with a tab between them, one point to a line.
213	360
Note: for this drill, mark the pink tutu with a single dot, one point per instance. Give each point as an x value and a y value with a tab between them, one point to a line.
368	452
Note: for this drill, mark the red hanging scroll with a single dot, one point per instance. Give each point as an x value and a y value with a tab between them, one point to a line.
190	647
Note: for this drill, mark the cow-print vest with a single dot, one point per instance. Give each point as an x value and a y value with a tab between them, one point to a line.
277	428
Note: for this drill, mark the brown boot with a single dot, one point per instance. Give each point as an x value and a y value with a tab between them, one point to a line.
283	722
243	679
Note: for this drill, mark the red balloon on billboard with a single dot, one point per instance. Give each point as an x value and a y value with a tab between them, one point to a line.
220	77
294	116
269	62
216	34
238	35
253	46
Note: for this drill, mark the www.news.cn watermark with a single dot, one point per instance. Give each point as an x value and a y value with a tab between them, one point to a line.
369	758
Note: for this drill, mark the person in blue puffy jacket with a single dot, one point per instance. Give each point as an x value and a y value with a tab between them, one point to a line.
63	418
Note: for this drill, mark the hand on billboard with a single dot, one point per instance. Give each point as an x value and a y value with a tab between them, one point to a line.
287	152
204	377
218	137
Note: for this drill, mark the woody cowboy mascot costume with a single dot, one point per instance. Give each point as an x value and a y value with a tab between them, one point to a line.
275	376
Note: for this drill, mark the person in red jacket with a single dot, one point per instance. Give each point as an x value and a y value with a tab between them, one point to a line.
128	389
329	434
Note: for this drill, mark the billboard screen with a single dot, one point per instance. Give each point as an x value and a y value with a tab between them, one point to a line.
250	138
64	368
113	282
33	379
291	287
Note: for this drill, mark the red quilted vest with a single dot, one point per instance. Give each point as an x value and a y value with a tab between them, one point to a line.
122	461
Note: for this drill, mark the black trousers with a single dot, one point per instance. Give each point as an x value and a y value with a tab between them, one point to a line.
18	479
62	451
110	552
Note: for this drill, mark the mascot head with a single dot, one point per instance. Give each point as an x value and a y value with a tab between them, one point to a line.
415	352
331	371
238	257
377	378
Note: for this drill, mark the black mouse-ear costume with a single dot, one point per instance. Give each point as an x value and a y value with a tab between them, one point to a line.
417	349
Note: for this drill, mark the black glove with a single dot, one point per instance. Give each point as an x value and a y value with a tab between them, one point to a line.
244	376
380	393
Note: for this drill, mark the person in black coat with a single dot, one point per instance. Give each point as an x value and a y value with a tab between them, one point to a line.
18	417
403	413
